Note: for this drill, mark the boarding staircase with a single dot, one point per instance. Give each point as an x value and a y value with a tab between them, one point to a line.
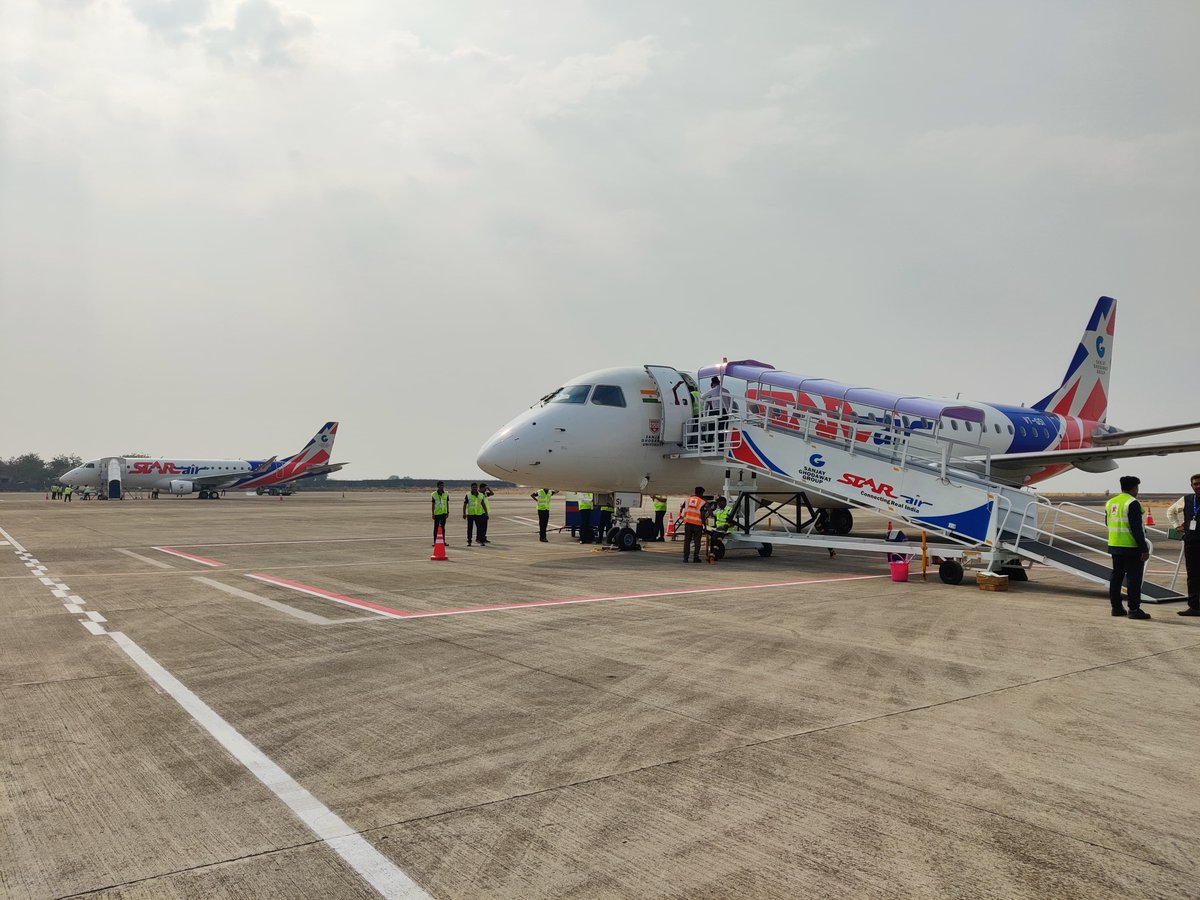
924	476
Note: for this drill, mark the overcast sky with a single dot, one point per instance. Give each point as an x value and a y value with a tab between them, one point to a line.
223	223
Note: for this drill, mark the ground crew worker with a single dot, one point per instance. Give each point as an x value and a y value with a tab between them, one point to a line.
472	510
1184	517
1128	548
660	513
542	496
67	494
585	517
441	511
606	513
694	510
721	516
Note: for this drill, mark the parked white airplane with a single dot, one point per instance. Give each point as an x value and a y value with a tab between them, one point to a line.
619	429
208	476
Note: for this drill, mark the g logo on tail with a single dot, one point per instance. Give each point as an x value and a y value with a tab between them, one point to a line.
1100	346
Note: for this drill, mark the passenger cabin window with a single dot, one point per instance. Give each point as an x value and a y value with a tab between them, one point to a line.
996	425
954	424
1010	428
968	425
608	395
1022	431
572	393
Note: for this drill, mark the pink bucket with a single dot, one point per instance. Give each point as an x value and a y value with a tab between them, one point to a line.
899	570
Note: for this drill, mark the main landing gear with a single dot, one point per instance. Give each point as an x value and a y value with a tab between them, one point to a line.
210	495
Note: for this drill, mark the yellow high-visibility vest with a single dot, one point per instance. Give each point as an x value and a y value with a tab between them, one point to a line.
441	503
543	498
585	501
1116	514
475	504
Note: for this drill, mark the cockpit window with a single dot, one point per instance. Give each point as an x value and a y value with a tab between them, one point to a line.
572	393
608	395
90	466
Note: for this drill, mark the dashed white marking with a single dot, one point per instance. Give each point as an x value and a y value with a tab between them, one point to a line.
152	562
59	593
48	582
3	543
382	874
75	598
301	614
95	616
73	608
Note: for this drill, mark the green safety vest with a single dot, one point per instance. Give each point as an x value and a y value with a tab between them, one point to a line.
441	503
695	404
660	505
720	516
543	498
585	501
606	509
1116	514
475	504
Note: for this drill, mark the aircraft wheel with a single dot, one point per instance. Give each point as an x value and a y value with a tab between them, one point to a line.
611	536
625	539
260	491
764	550
718	549
204	495
841	521
951	572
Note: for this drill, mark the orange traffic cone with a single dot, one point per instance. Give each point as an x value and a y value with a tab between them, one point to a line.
671	529
1149	516
439	547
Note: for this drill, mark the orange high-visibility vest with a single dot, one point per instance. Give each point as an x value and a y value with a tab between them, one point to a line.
691	510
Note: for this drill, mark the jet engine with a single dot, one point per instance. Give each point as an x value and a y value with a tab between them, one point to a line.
180	487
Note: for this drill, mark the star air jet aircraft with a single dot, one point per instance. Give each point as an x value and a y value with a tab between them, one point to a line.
208	476
629	429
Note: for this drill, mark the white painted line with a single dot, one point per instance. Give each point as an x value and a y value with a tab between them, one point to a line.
30	565
75	598
382	874
95	616
301	614
203	560
3	543
60	594
151	562
32	560
73	608
93	627
12	540
48	582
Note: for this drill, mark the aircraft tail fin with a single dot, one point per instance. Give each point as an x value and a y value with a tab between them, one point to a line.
1084	389
317	451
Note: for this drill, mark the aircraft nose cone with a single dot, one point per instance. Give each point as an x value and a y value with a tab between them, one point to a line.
498	456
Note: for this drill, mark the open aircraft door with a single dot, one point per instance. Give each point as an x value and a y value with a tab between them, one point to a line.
675	389
114	474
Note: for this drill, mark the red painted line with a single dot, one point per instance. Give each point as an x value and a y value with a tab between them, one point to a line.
329	595
200	559
531	604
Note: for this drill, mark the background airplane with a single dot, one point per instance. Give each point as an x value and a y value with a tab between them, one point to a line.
208	476
618	429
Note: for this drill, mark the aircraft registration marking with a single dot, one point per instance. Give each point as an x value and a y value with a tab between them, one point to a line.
203	560
533	604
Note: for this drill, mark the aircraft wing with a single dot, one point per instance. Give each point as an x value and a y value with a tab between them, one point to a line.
314	471
1085	458
1114	437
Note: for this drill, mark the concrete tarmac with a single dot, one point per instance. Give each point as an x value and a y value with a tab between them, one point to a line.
257	697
